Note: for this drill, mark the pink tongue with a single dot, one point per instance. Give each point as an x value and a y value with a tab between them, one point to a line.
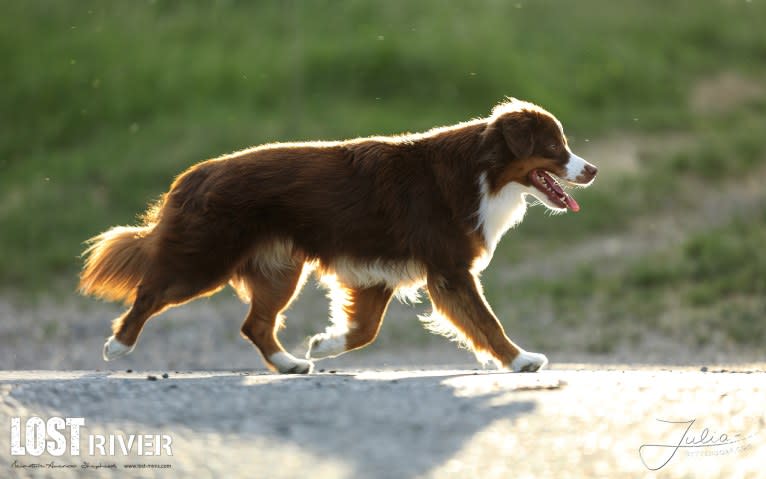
572	204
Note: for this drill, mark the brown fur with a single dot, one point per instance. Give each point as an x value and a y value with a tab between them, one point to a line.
271	295
116	262
256	217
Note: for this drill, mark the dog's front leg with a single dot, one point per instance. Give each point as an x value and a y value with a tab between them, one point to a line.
458	298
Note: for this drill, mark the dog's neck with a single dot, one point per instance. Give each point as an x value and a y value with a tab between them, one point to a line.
498	212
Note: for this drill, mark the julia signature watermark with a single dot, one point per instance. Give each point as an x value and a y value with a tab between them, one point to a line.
706	442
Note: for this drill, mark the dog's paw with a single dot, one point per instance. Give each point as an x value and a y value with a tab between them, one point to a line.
326	346
527	362
113	349
286	363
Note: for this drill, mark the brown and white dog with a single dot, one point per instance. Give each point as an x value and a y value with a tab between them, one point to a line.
373	216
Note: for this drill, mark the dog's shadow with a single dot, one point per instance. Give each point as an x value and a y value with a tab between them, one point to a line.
394	424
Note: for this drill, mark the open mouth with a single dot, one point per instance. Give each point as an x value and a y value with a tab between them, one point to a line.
545	182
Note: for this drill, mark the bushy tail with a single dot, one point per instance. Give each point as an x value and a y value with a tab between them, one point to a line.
115	262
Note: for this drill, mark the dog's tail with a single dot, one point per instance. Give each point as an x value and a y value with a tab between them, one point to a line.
115	262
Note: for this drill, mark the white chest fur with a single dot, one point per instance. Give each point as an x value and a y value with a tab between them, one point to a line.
498	213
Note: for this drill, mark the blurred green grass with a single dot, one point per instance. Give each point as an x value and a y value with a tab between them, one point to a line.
709	287
103	103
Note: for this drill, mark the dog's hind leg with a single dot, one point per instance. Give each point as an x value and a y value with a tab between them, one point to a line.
357	316
457	298
158	290
127	327
271	291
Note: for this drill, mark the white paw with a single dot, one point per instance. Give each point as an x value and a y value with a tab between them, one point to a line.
527	362
113	349
326	346
286	363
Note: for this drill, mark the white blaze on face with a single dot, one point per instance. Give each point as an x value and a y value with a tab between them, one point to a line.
576	167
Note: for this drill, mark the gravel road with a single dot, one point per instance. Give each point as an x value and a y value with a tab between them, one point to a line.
574	421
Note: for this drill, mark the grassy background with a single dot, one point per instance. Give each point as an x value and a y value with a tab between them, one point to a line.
103	103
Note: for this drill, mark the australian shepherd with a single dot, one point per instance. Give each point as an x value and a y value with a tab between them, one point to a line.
371	216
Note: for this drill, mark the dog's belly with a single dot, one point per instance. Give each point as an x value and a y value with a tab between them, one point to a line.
275	255
361	273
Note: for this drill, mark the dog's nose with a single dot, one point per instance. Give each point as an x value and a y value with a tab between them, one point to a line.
587	174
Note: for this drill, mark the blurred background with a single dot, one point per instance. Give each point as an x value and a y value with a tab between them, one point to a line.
103	103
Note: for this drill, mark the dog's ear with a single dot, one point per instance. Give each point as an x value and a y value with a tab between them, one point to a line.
518	131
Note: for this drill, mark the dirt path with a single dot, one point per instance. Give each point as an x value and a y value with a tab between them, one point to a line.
575	422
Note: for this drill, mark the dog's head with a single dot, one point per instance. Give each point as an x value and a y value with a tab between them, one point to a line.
536	155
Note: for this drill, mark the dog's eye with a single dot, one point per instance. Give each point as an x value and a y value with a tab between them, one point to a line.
553	147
